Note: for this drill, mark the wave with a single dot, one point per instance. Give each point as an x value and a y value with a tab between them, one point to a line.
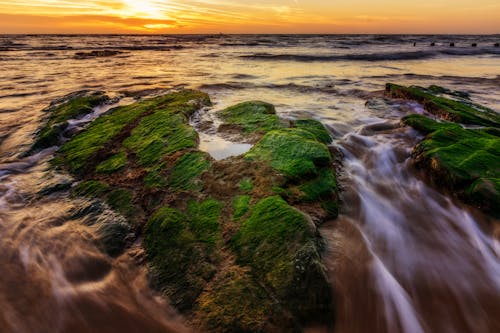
410	55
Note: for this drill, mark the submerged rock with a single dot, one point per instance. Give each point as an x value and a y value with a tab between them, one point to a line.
96	54
234	243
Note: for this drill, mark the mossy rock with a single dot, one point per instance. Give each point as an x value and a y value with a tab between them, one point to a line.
295	152
241	205
113	164
213	232
465	161
181	248
186	172
236	303
281	246
461	111
250	119
150	129
72	106
314	127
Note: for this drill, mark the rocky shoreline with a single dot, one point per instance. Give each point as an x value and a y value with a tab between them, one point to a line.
234	244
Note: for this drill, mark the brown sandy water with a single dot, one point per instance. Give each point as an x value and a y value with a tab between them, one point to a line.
402	257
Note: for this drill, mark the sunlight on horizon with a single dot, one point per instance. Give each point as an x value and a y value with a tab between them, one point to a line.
258	16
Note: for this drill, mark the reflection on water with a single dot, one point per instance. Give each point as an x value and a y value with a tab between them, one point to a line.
405	258
220	148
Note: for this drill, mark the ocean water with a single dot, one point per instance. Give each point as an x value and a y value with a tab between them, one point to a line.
425	260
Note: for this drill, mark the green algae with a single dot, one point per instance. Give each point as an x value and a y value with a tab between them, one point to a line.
73	106
246	185
113	164
194	256
461	111
121	200
180	247
294	152
464	160
187	170
241	204
223	309
314	127
280	245
251	117
91	188
149	140
204	220
159	134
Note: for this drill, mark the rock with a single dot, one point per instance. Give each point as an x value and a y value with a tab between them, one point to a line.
461	111
96	54
72	106
464	161
249	120
219	236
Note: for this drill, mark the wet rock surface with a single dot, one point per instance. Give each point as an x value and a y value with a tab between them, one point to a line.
232	244
463	160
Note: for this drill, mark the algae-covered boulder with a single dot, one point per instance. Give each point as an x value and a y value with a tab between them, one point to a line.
72	106
233	244
457	110
466	161
249	120
280	244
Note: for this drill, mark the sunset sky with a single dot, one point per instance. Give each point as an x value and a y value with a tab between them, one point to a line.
254	16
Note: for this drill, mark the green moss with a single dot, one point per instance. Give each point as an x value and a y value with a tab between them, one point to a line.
154	178
113	164
181	262
246	185
121	200
91	188
159	134
253	116
235	304
148	140
204	220
75	105
279	244
269	238
323	186
187	170
294	152
316	128
241	204
449	109
441	90
461	159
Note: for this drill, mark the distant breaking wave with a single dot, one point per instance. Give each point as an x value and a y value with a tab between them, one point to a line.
414	55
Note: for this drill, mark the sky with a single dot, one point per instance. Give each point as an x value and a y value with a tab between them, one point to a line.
249	16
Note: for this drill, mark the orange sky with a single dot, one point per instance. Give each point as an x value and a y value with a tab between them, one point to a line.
249	16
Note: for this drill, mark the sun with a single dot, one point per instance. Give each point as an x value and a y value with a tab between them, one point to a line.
143	9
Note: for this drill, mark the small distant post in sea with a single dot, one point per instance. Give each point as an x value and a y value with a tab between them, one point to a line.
433	44
415	44
474	45
497	45
452	44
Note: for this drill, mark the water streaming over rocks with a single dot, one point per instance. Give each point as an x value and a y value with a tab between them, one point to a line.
403	257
